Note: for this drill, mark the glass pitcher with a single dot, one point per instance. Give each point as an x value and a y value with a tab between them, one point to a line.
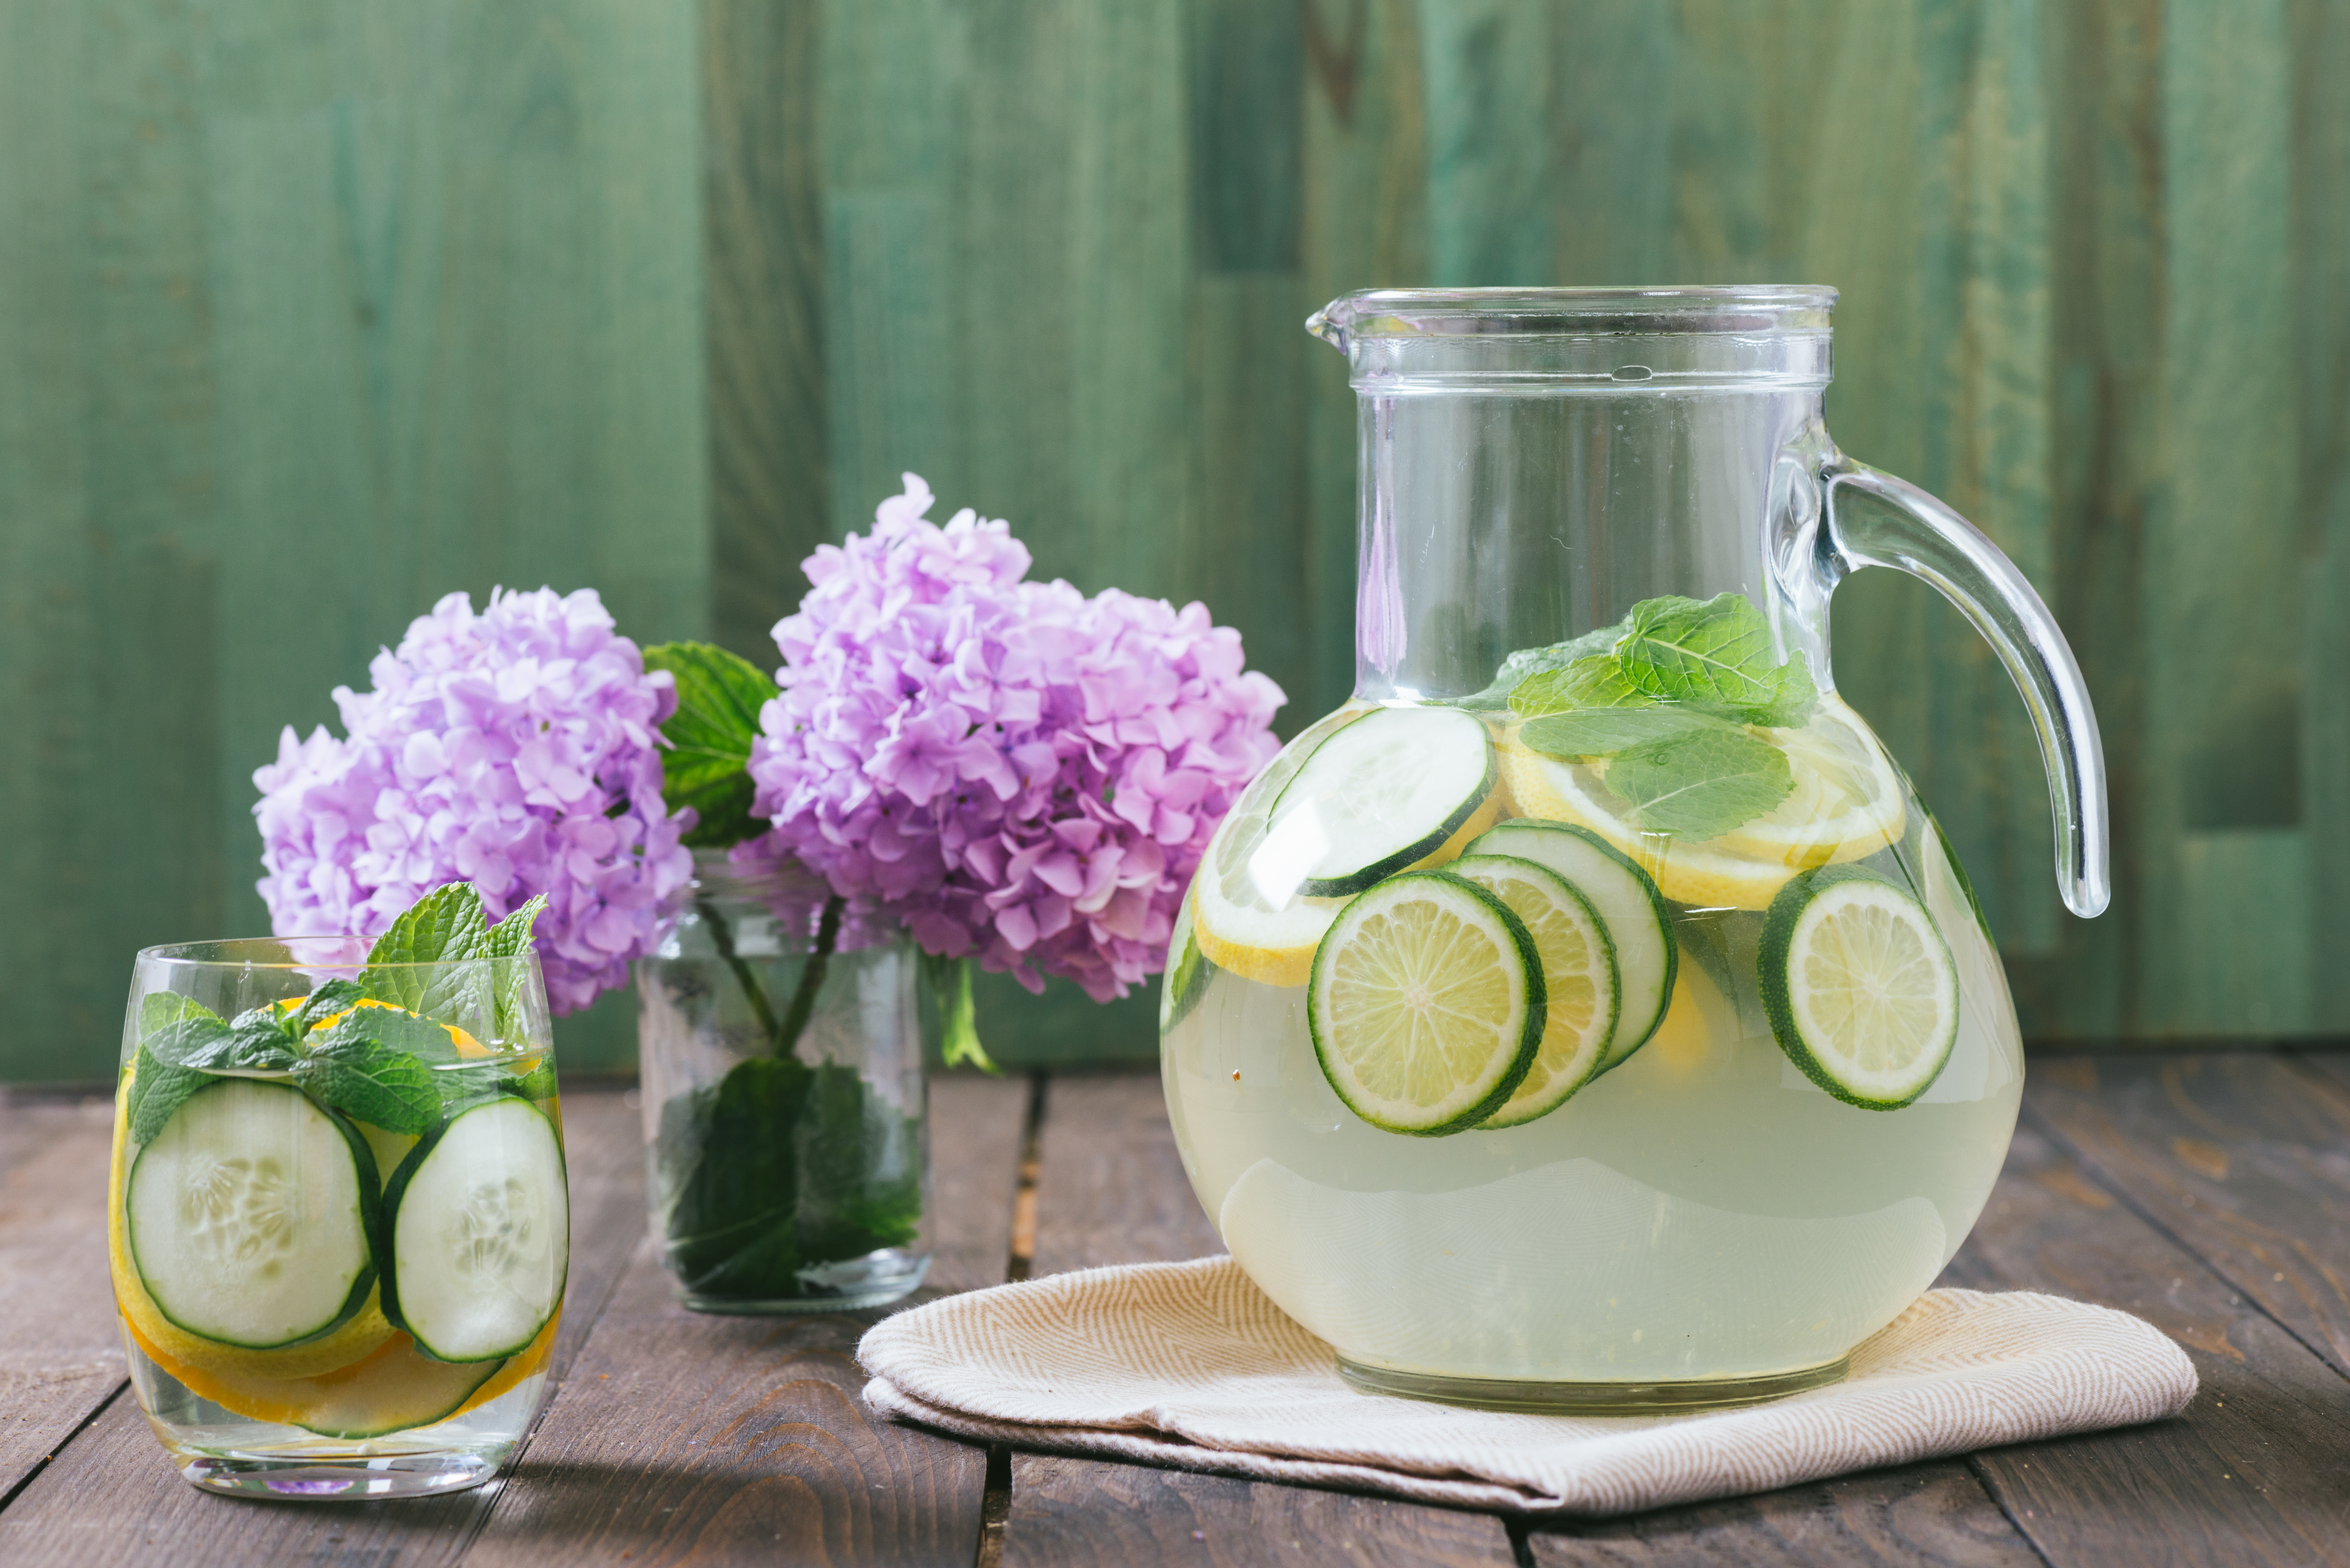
1589	1014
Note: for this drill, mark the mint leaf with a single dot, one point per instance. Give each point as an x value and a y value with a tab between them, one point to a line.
1604	731
158	1089
1701	784
1716	653
257	1044
370	1082
706	765
335	996
538	1083
173	1027
445	927
510	938
1530	661
1595	681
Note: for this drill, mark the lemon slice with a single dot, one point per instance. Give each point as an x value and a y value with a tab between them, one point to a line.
1427	1003
1847	802
1859	986
1249	911
1580	987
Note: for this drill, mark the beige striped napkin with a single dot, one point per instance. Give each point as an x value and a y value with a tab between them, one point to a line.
1189	1365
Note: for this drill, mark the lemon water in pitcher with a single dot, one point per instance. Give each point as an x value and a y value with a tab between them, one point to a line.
1588	1014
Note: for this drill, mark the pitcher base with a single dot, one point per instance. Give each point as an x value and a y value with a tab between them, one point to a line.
1591	1398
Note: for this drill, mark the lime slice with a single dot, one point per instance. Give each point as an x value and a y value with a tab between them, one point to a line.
1859	986
1426	1004
1580	988
1630	906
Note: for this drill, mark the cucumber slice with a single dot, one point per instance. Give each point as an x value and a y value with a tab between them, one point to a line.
1426	1004
1580	988
479	1232
1647	959
1859	986
1387	790
250	1217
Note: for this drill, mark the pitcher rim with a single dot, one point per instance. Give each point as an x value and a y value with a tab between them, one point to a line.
1582	310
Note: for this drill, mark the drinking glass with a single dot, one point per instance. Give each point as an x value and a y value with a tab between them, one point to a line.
336	1214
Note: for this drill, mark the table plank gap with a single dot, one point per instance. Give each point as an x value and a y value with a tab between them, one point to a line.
2250	1474
1110	1189
112	1494
686	1437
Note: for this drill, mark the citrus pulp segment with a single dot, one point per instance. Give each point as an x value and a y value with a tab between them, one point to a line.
1626	898
1426	1004
1859	986
1580	988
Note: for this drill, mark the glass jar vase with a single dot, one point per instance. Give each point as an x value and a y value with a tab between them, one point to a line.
787	1134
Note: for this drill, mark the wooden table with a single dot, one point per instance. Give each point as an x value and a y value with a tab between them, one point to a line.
2209	1194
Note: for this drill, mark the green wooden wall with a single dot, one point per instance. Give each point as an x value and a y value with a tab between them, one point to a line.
310	312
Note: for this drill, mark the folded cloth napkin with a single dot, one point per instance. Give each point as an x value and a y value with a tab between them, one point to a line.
1189	1365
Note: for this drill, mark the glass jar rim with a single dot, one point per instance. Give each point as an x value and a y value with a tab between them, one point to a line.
211	954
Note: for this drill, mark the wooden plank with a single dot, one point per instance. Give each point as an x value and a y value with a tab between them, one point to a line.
2321	172
1111	1187
60	1357
1076	1513
112	1495
763	226
683	1436
2251	1474
2236	1156
1930	1513
977	1128
1111	1190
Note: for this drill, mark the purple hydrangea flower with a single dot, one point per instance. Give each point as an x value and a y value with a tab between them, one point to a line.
1012	769
514	749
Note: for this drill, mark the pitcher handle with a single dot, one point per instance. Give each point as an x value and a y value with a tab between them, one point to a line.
1914	533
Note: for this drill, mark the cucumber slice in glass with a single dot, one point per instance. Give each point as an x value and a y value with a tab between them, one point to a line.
251	1216
1859	986
1647	959
1387	792
1426	1004
479	1232
1579	982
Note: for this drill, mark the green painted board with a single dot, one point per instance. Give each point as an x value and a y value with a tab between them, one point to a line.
304	306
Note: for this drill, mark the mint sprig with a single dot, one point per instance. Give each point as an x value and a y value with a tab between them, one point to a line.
445	926
171	1028
706	765
353	1069
1716	653
1662	707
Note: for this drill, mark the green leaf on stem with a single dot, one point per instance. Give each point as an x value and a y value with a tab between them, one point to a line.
1586	733
351	1070
706	765
1717	653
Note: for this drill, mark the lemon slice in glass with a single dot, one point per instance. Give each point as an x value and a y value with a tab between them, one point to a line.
1859	986
1427	1003
1580	986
